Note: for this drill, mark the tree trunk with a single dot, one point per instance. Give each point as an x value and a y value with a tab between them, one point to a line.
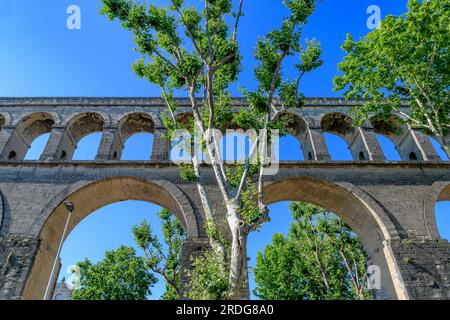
238	262
238	268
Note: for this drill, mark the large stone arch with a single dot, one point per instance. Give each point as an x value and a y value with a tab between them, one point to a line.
89	196
366	218
439	191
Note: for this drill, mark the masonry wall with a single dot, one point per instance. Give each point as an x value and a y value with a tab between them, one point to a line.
390	205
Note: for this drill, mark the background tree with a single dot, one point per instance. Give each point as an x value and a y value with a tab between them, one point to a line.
321	258
408	57
203	62
163	259
121	275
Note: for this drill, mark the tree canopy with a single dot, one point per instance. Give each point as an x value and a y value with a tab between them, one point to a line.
121	275
319	259
163	258
407	59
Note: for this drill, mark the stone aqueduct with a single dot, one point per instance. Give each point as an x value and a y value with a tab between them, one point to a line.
390	205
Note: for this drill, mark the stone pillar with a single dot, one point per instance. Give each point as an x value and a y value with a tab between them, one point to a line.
427	148
15	147
413	145
5	134
17	253
364	145
161	145
52	148
314	145
60	146
111	145
424	267
190	249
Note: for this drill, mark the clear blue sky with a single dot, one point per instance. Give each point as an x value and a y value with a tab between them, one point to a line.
39	56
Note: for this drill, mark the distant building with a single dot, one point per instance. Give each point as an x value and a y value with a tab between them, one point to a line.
62	291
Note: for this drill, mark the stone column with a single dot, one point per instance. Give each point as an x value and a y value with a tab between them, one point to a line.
52	149
111	145
314	145
5	135
427	148
413	145
17	253
424	267
15	147
161	145
190	249
364	145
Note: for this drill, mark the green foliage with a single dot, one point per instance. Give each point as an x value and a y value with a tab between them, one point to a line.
408	57
311	262
163	260
187	172
208	278
121	275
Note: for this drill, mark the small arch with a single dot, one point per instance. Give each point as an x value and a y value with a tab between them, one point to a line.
290	149
37	147
438	192
83	136
2	121
438	147
136	129
361	156
337	147
388	147
27	130
84	124
412	156
339	124
185	120
338	133
395	129
87	147
297	125
137	147
442	214
390	126
134	123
